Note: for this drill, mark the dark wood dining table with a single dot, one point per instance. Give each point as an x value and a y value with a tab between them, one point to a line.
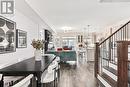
29	66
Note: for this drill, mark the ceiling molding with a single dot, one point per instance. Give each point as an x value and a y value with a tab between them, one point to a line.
24	7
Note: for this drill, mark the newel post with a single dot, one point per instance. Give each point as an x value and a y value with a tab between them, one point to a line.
122	55
96	59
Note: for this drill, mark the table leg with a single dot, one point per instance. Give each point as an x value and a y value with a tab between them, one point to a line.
38	79
39	84
2	83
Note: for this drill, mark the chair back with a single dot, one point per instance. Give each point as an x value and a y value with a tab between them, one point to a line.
25	82
57	59
1	76
51	55
52	66
50	75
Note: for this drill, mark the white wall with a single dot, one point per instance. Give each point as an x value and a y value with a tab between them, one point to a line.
112	28
23	23
28	20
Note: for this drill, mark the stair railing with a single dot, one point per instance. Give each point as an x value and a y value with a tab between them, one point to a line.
106	51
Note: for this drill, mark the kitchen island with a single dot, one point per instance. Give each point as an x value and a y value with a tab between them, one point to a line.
67	55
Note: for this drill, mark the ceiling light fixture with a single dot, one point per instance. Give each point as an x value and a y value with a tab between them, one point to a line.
66	29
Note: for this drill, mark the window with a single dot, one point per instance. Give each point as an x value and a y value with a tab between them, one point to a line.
80	38
69	42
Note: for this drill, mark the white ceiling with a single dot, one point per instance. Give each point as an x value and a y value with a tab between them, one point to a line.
21	5
77	14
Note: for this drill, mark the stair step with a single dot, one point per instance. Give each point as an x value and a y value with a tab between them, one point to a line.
108	79
129	77
110	69
113	62
113	76
115	72
102	82
113	66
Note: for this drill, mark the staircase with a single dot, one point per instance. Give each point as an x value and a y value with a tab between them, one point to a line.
111	59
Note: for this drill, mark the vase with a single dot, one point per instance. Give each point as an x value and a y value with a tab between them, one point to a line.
38	55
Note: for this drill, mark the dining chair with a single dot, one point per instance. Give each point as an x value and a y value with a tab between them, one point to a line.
51	76
57	59
1	80
6	81
26	82
58	67
51	55
10	80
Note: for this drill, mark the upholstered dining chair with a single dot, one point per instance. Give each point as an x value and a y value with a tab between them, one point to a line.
51	75
7	81
1	79
26	82
58	67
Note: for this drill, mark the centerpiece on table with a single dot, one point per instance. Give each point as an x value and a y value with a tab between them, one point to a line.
38	45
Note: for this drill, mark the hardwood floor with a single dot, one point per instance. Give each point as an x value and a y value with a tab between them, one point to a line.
82	76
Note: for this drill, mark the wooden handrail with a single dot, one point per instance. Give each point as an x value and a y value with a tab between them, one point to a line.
114	33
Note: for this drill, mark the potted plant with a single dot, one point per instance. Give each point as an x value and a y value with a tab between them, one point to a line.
38	45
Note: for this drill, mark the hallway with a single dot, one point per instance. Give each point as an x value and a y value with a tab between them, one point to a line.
82	76
39	38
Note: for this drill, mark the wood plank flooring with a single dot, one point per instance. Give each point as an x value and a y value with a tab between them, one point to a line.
82	76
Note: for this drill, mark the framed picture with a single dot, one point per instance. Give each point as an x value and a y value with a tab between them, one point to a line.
21	39
7	35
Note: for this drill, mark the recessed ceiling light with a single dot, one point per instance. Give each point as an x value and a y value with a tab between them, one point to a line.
66	28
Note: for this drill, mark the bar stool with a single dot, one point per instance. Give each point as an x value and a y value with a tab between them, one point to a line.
51	75
82	56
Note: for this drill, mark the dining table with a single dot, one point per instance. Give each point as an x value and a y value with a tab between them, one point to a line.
29	66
